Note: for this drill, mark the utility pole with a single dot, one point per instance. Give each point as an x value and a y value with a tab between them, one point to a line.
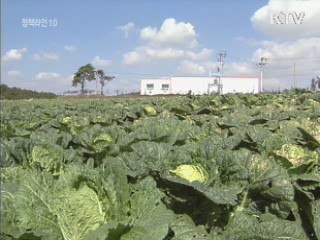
294	75
261	65
222	54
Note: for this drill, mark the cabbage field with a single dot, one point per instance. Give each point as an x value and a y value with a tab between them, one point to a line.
232	167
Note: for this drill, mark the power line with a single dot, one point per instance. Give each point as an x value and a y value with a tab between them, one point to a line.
270	60
290	75
161	75
275	59
293	59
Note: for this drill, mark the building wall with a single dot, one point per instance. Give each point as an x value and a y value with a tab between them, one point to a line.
199	85
240	85
157	83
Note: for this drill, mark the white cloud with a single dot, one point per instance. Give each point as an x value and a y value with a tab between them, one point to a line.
70	48
302	48
279	71
14	75
101	63
261	19
203	55
50	82
174	40
148	54
127	28
171	34
165	53
253	42
14	54
246	68
45	56
304	53
194	68
41	81
188	67
282	56
47	76
132	58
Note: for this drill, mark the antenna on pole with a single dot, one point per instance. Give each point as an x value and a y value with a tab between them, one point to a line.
222	54
261	64
294	75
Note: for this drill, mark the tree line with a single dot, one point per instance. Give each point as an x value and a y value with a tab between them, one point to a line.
14	93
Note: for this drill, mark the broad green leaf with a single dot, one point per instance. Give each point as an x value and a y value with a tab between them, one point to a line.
184	229
149	217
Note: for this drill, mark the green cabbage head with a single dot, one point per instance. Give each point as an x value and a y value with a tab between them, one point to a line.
150	111
294	154
191	173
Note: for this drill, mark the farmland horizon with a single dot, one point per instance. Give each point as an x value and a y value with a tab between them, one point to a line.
43	47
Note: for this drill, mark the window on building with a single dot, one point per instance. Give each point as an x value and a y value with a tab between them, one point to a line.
165	87
150	86
215	81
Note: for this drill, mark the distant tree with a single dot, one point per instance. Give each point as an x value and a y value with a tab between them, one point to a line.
315	83
86	72
102	77
117	92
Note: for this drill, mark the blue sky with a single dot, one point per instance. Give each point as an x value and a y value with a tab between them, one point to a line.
157	42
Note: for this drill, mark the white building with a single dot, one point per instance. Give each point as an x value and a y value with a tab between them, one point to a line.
198	85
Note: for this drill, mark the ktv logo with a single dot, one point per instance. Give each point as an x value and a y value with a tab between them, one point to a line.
287	17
